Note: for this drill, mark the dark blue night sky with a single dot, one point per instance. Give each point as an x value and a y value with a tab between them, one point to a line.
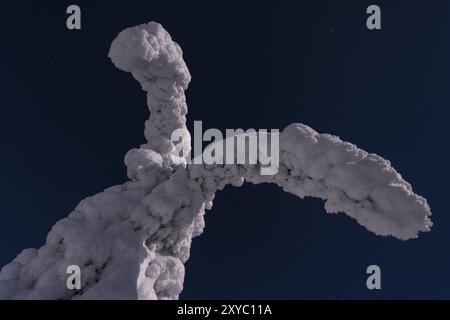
68	117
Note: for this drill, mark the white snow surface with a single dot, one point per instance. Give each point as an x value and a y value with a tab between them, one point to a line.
131	241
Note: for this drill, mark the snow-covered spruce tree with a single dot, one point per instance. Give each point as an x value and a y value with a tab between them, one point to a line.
131	241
